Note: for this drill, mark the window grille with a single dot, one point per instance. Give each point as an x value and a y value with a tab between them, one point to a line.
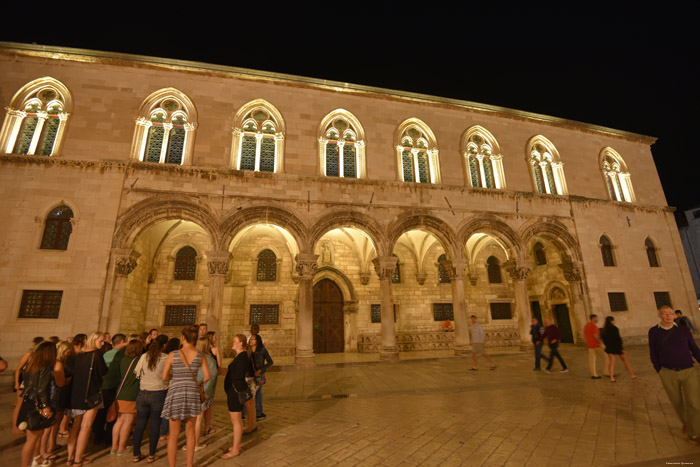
40	304
501	311
443	312
617	300
662	299
267	266
443	276
264	314
185	264
57	229
180	315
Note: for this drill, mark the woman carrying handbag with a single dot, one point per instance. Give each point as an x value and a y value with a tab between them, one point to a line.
125	402
237	392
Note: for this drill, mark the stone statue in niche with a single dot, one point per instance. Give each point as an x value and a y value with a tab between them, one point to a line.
558	293
326	255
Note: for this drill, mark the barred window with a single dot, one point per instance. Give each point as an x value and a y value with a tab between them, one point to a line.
264	314
483	161
547	169
443	312
267	266
494	270
57	229
40	304
167	132
341	141
180	315
396	276
258	139
416	156
443	276
662	299
501	311
606	251
540	257
651	253
376	313
185	264
617	300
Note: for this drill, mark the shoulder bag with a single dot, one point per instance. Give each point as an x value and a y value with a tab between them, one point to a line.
94	400
112	411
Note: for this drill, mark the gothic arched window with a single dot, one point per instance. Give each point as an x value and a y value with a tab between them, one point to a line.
443	276
483	159
617	177
57	229
540	257
258	138
651	253
547	168
267	266
493	269
342	145
417	152
36	118
606	251
165	128
185	264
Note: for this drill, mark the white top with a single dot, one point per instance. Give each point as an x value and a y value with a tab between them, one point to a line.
151	380
478	336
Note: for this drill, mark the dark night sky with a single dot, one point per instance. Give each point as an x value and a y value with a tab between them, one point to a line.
619	67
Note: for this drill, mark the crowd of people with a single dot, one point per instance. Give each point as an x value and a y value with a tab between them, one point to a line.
110	386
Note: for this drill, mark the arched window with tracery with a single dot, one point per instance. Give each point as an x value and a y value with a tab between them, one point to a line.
483	159
267	266
540	256
165	128
417	153
57	229
443	276
652	256
606	251
342	145
36	118
185	264
396	276
547	169
617	177
493	270
258	138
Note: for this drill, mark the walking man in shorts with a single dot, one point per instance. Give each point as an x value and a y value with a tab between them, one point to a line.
478	338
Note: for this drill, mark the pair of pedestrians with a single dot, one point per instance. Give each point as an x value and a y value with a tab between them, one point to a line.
553	335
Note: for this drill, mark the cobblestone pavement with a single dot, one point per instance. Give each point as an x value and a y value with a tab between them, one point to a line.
436	412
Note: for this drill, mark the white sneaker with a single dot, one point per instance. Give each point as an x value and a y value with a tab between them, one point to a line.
564	371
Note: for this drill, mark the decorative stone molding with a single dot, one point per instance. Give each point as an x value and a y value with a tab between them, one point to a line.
306	265
350	306
420	277
125	261
384	266
571	272
454	268
364	278
218	262
519	274
498	336
472	278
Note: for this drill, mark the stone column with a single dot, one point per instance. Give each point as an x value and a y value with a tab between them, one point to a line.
455	269
578	303
519	275
217	264
124	260
384	267
306	268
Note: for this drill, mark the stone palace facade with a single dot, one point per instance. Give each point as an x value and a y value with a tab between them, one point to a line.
150	193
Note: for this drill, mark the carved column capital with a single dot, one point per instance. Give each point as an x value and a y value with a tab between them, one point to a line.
217	263
384	266
518	273
125	260
455	269
306	265
571	272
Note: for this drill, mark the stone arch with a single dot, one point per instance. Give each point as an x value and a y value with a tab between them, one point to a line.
233	223
551	286
159	208
337	219
556	232
495	227
35	85
437	227
337	276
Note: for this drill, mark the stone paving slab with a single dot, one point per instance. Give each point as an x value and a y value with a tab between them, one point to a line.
436	412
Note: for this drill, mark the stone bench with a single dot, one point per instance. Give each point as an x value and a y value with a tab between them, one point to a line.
496	336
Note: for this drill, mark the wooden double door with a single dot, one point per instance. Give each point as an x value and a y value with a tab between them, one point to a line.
329	329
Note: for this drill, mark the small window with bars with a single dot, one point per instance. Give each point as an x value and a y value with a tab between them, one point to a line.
501	311
180	315
40	304
185	264
617	300
662	299
443	312
264	314
376	313
267	266
443	276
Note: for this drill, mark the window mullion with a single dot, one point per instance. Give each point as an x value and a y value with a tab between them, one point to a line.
41	119
258	145
166	138
416	172
341	157
482	175
545	179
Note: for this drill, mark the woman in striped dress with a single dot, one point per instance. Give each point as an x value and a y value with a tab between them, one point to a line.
182	401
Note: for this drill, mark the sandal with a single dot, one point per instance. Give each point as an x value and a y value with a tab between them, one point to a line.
473	369
63	434
83	462
139	458
152	459
69	461
230	455
210	431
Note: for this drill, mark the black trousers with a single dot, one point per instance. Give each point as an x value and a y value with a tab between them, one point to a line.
554	352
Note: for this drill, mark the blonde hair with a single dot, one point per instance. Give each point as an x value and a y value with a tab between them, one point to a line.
90	343
63	350
203	345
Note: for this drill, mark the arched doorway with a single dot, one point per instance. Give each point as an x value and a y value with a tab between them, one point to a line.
328	317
